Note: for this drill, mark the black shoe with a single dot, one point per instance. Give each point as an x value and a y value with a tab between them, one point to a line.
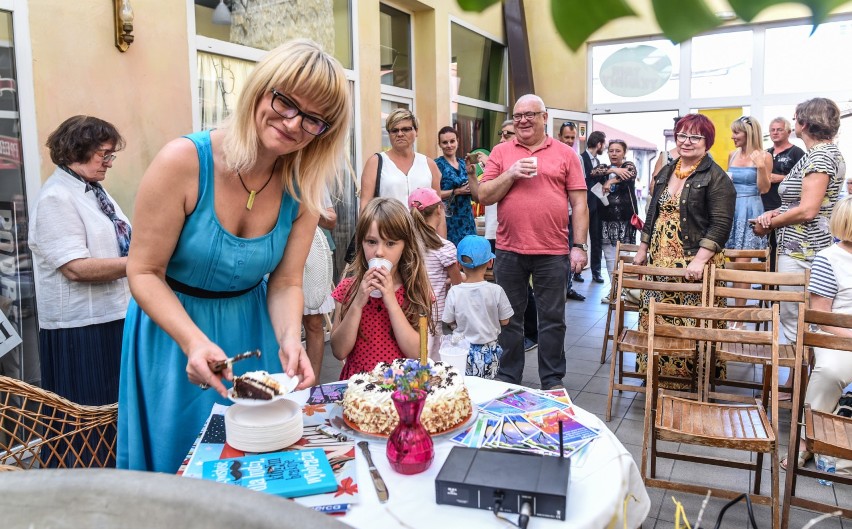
576	296
597	278
579	279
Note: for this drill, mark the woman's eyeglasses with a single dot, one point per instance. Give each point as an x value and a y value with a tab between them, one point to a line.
106	158
287	109
505	134
745	119
693	138
403	130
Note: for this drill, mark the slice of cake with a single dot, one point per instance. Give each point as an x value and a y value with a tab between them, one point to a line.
256	385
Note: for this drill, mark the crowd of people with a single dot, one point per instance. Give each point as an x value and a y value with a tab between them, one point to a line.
225	220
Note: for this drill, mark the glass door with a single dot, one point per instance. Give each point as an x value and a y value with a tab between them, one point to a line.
578	121
18	320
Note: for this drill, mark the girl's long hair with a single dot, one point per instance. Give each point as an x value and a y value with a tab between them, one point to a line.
428	236
300	67
394	223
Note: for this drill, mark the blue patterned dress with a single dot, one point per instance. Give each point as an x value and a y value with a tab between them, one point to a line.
460	222
749	206
159	411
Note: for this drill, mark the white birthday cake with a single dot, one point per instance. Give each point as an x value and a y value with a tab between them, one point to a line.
368	406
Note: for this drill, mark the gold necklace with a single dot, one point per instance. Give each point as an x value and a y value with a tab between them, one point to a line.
684	175
252	194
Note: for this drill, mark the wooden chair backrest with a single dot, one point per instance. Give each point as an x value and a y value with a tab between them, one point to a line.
816	338
646	278
705	333
769	280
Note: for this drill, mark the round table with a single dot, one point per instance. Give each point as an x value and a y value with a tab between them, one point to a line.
597	490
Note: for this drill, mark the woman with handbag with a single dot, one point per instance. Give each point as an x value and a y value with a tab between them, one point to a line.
617	218
401	170
687	225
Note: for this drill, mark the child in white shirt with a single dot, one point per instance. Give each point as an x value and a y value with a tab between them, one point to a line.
478	308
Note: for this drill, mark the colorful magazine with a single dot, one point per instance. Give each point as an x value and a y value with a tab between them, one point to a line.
289	474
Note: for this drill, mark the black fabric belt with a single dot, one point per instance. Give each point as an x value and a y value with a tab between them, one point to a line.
190	290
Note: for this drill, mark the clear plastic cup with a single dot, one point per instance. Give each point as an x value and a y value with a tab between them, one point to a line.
376	262
456	357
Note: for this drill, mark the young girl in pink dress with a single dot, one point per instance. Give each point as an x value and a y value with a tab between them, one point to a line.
428	213
368	330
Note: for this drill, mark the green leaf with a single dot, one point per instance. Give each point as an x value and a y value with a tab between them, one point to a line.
576	20
682	19
476	5
748	9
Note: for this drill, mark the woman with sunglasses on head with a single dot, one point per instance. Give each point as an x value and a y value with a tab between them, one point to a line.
455	187
618	180
79	238
749	167
216	212
687	225
808	195
403	170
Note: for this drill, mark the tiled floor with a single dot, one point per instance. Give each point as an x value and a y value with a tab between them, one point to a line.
587	381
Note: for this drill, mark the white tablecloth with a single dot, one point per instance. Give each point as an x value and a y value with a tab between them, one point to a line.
596	493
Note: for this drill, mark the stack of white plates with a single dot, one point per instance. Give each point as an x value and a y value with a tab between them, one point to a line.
273	426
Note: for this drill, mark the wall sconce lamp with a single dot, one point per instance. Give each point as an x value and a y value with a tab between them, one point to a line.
222	14
123	24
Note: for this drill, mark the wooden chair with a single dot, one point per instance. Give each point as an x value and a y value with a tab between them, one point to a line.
40	429
634	341
825	433
744	427
761	265
749	353
623	253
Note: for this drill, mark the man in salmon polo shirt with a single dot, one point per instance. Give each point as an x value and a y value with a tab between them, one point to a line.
533	178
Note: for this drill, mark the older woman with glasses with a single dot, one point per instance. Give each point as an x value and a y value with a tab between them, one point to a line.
403	170
225	219
79	238
687	225
808	195
455	187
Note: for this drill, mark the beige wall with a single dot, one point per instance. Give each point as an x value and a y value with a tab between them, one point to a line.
144	92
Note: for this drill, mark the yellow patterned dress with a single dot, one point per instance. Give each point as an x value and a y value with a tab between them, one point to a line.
666	251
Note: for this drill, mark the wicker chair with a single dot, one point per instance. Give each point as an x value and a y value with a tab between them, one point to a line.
40	429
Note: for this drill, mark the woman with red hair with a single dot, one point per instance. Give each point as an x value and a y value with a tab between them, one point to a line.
687	225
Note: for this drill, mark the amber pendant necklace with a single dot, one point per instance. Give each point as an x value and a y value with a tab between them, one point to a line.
686	174
252	193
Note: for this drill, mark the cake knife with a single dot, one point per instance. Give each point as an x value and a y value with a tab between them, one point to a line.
219	366
378	482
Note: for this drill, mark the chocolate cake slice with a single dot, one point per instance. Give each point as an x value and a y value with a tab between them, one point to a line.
256	385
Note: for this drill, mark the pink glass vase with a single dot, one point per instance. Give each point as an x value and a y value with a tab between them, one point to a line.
410	449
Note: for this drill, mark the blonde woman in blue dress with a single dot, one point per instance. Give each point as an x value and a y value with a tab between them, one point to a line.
749	167
224	222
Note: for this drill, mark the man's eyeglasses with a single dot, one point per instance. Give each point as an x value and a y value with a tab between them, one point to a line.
529	115
505	134
569	124
287	109
403	130
106	156
693	138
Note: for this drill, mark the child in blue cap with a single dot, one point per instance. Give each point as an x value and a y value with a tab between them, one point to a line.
478	309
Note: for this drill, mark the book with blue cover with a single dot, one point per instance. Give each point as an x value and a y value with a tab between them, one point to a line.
289	474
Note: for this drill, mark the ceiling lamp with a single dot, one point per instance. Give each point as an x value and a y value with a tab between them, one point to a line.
222	15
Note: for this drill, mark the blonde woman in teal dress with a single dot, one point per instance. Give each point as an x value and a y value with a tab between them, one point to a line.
216	212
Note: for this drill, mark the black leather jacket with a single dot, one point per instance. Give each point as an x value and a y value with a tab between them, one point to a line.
707	204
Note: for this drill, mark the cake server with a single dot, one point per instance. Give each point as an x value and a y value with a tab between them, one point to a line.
378	482
221	365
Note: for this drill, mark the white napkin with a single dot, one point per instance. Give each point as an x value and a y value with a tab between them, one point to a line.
597	190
